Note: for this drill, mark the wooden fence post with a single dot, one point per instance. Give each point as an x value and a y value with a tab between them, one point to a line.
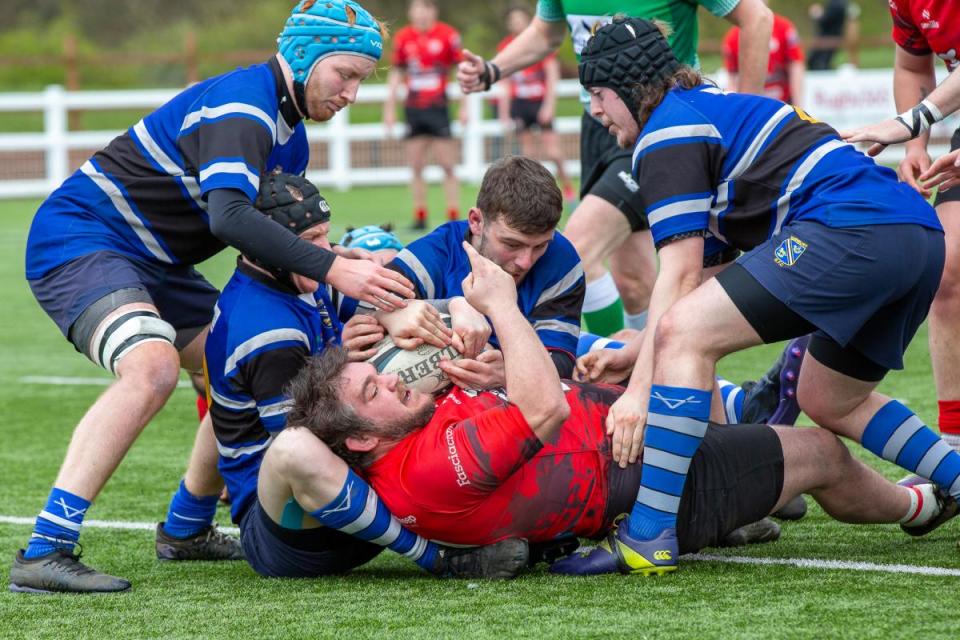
71	71
190	57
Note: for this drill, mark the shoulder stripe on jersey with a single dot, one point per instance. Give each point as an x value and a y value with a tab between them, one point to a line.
752	151
261	340
667	211
231	167
167	164
275	408
674	133
236	452
309	299
567	281
106	185
284	132
239	108
410	259
229	403
720	205
156	153
557	325
783	203
216	315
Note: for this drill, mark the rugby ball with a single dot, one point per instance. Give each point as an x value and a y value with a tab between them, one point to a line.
419	368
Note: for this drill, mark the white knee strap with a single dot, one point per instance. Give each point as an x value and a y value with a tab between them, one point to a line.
125	333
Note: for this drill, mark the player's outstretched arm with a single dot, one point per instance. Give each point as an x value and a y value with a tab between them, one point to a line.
681	269
756	24
532	381
394	80
913	75
536	42
913	80
236	222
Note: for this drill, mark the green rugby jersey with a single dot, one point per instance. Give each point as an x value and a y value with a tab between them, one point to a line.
582	15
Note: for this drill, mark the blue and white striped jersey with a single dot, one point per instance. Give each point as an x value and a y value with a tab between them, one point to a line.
262	333
550	296
739	167
144	195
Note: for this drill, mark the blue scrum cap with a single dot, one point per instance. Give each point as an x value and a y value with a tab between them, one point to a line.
316	30
371	238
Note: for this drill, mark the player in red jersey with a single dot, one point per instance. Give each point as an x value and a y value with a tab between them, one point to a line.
786	71
424	52
478	468
529	102
925	30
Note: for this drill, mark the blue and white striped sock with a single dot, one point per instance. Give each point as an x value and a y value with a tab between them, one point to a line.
676	423
894	433
357	511
58	525
588	342
188	514
732	397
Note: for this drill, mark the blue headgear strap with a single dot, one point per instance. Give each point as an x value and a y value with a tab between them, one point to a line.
316	30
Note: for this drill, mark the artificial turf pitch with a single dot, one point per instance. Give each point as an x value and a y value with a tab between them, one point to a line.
705	599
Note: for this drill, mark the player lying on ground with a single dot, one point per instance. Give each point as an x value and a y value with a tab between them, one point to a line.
818	220
269	321
111	252
473	468
514	225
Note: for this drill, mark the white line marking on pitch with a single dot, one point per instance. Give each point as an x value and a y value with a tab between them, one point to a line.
803	563
80	381
106	524
809	563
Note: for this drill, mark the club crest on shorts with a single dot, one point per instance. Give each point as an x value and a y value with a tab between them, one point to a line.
789	251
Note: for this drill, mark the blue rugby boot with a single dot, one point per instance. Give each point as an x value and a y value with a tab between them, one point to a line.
619	553
773	398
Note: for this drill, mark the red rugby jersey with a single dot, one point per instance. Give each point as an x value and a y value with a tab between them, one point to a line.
784	49
476	473
529	83
922	27
427	57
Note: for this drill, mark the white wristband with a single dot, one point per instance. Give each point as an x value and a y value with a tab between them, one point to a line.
920	118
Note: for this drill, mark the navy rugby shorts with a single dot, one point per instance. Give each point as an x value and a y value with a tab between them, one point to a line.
276	552
184	297
868	288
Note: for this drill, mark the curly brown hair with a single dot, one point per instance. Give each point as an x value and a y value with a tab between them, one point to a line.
648	97
318	406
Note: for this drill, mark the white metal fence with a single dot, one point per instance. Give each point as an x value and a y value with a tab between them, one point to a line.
845	98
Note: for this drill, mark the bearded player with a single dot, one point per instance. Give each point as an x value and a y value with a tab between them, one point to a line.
534	460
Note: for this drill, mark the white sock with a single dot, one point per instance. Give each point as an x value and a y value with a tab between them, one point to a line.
600	294
923	506
952	439
635	320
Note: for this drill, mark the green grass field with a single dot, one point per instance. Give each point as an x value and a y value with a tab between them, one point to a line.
390	597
